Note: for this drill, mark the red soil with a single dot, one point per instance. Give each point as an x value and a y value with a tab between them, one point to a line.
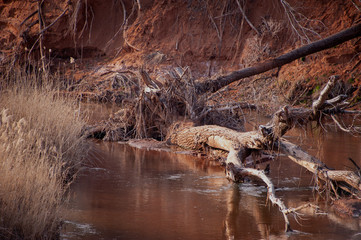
210	37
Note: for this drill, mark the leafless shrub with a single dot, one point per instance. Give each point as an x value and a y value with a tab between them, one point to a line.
301	25
271	27
258	47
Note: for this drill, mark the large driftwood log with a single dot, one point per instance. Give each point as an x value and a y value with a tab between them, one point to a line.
214	85
239	145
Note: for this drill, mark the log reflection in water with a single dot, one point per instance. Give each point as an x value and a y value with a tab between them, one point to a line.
138	194
231	223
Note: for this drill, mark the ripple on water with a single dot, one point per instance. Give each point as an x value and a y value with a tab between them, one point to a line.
175	177
74	229
252	189
201	191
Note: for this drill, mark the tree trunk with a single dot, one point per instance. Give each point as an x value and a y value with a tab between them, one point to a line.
214	85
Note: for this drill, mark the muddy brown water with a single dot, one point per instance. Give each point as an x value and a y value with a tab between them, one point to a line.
129	193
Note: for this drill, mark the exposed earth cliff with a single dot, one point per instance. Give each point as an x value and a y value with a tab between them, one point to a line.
90	40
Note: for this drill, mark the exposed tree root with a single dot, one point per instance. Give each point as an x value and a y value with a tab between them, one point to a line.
157	106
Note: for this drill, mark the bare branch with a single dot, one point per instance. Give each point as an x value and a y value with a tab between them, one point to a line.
270	193
28	17
336	100
339	125
323	95
295	19
246	18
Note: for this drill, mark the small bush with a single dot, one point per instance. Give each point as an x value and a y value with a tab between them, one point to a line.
41	148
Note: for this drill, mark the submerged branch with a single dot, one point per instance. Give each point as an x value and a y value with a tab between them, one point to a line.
270	190
302	158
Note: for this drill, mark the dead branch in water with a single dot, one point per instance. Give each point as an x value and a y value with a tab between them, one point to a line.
270	190
240	145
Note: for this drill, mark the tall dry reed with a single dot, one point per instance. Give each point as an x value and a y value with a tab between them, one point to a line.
41	148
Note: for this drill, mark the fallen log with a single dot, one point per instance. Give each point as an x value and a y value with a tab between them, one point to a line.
240	145
214	85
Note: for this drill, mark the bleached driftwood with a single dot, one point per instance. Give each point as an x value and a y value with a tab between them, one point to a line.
239	145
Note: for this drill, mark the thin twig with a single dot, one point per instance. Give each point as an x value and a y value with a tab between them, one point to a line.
41	22
210	16
339	125
51	24
125	28
28	17
247	20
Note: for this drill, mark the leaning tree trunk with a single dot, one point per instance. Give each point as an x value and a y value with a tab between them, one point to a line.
214	85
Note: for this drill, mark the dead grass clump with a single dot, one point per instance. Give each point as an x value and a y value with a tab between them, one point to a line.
263	45
41	148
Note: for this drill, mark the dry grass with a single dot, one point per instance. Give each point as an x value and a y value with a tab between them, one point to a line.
152	110
41	148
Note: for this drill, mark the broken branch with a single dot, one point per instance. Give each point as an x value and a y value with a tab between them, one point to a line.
302	158
323	95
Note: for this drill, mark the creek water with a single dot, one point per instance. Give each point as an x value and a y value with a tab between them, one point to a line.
129	193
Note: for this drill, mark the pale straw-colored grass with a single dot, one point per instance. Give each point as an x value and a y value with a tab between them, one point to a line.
41	148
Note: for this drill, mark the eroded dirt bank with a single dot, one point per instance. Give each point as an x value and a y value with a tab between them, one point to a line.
94	41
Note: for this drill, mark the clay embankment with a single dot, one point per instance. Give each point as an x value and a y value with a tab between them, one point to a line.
206	37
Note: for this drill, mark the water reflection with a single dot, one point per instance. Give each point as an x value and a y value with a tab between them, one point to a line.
129	193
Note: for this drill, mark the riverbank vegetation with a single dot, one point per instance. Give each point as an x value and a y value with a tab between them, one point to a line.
182	105
182	77
41	149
